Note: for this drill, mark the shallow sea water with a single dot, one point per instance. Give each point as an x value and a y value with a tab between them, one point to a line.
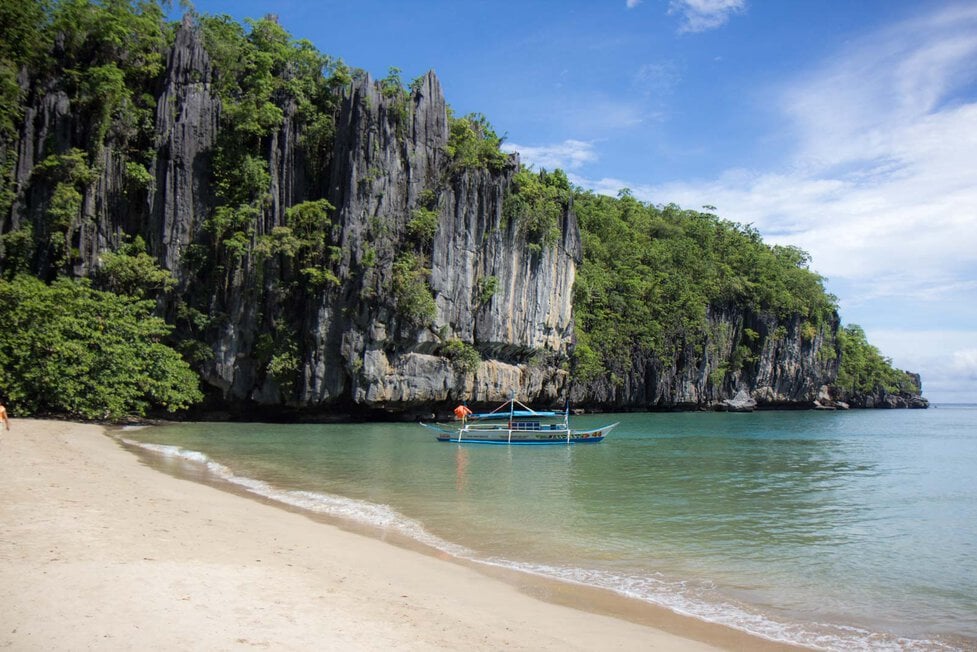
836	530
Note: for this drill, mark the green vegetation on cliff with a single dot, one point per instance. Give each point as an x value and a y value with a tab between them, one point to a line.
863	370
650	273
473	144
536	205
255	71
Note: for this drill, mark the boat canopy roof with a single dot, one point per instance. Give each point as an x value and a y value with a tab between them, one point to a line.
508	409
514	413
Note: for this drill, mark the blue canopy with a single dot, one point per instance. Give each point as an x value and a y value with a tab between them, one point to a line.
515	413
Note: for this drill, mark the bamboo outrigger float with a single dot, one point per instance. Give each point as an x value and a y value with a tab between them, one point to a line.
510	426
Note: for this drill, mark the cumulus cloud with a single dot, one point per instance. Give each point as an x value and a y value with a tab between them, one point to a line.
703	15
568	155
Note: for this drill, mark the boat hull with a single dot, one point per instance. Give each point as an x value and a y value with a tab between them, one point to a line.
507	437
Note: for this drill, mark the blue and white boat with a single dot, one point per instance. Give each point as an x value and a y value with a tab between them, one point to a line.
523	426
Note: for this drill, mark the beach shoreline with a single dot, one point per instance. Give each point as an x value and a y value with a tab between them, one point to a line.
99	550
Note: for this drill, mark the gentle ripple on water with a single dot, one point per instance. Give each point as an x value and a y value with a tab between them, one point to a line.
851	530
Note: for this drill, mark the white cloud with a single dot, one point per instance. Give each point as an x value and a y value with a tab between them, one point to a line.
965	363
847	110
633	3
703	15
946	360
568	155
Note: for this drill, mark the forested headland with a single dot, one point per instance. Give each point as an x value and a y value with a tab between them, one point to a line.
214	218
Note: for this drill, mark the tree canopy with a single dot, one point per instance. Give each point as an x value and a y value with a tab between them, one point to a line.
650	273
66	348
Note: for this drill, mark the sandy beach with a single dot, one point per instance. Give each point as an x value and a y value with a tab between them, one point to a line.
100	551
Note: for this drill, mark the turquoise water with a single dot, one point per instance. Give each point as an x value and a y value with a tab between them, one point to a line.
837	530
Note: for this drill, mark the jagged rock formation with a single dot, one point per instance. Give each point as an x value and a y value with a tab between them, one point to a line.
268	338
360	344
187	120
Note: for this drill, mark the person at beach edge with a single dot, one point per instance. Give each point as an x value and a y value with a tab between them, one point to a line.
4	418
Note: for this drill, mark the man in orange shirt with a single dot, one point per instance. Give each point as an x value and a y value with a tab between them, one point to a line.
461	412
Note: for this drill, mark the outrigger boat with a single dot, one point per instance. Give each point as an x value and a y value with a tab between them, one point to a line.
508	425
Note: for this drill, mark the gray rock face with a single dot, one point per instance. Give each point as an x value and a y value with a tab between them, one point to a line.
354	346
376	183
187	120
742	402
757	357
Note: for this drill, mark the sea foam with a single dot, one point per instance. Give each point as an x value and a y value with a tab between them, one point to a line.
356	511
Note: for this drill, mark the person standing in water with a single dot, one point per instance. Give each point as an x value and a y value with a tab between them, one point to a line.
462	412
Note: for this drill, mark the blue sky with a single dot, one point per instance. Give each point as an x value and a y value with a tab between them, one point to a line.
848	128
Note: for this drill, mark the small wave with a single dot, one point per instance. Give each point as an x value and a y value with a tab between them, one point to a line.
357	511
697	601
691	600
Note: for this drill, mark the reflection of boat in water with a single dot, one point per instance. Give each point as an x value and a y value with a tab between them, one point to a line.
508	425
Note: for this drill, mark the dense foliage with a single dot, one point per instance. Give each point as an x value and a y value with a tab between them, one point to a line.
69	349
256	70
21	34
473	144
863	370
536	205
410	289
104	57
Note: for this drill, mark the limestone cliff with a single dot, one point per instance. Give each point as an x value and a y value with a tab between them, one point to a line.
346	343
774	362
905	397
269	330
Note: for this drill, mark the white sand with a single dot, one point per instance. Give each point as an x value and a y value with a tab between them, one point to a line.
99	551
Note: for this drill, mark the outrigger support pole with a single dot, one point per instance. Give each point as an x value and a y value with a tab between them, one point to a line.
512	406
